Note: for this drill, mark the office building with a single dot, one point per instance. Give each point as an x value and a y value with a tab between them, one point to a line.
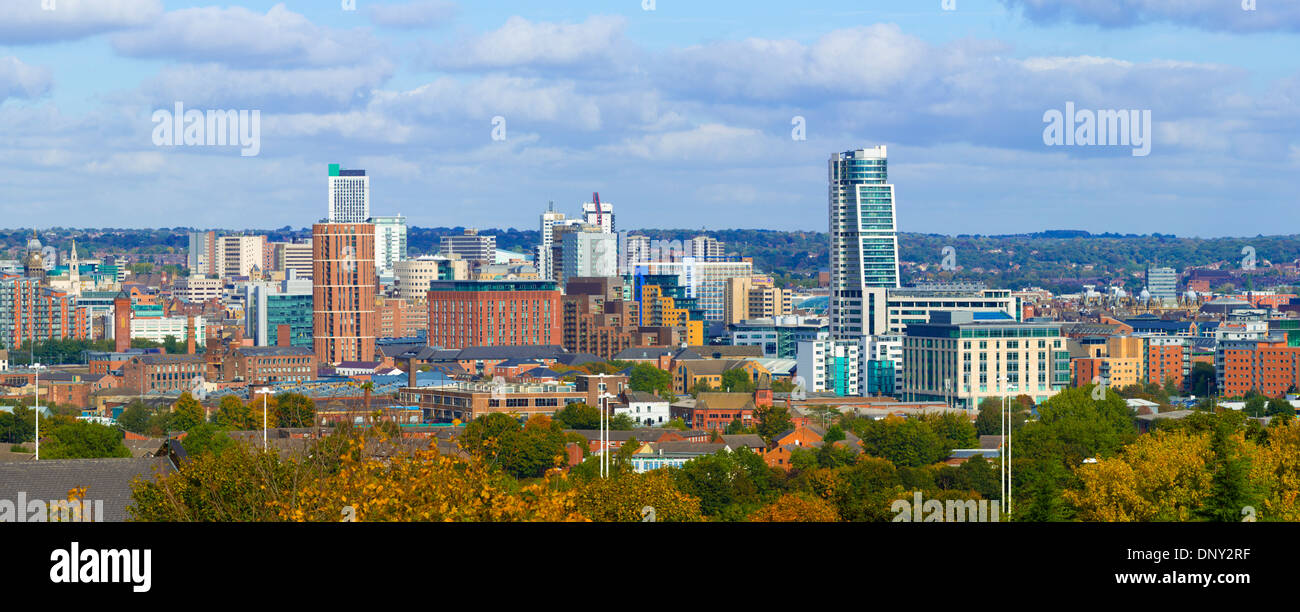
470	246
399	318
962	358
494	313
634	248
349	193
390	243
412	277
599	214
705	281
343	292
891	310
201	258
833	366
863	235
291	259
705	248
754	297
268	306
590	252
237	256
1162	284
779	336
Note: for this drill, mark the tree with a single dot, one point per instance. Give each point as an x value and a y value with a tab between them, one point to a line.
135	418
904	442
1256	406
796	508
578	416
624	499
737	381
206	438
772	421
954	429
522	452
1159	477
1278	406
1231	489
295	410
649	379
622	422
989	420
834	434
83	440
676	423
18	426
233	414
1201	379
1276	472
701	386
187	412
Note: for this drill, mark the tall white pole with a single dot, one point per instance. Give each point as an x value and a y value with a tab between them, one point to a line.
264	448
38	411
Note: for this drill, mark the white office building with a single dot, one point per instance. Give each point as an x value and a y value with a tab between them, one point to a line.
390	243
863	235
599	214
349	195
590	252
833	366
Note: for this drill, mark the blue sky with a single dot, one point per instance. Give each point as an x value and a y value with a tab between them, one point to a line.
681	116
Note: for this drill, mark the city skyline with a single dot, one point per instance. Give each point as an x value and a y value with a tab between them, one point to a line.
668	112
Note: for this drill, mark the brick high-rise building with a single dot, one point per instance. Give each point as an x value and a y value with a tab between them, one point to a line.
344	324
29	311
494	313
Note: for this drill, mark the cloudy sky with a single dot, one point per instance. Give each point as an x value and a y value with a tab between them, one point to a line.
682	116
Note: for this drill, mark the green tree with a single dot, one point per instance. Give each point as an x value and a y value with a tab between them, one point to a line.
187	413
206	438
1279	405
135	418
295	410
772	421
622	422
1231	488
578	416
834	433
233	414
1201	379
1256	405
18	426
954	429
676	423
83	440
649	379
737	381
904	442
701	386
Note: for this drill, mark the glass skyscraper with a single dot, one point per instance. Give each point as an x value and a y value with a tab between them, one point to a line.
864	238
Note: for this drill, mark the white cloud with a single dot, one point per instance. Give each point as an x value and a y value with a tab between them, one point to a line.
19	80
413	15
25	22
239	37
523	43
1216	15
299	90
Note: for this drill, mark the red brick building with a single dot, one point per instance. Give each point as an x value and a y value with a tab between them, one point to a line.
262	365
1271	368
399	318
145	373
344	285
494	313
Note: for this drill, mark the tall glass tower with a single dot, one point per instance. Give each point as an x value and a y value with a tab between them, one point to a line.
864	239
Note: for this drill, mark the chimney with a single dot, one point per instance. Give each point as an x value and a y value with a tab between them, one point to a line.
410	373
282	335
189	335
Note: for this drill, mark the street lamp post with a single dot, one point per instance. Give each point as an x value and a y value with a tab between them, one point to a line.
264	391
37	367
